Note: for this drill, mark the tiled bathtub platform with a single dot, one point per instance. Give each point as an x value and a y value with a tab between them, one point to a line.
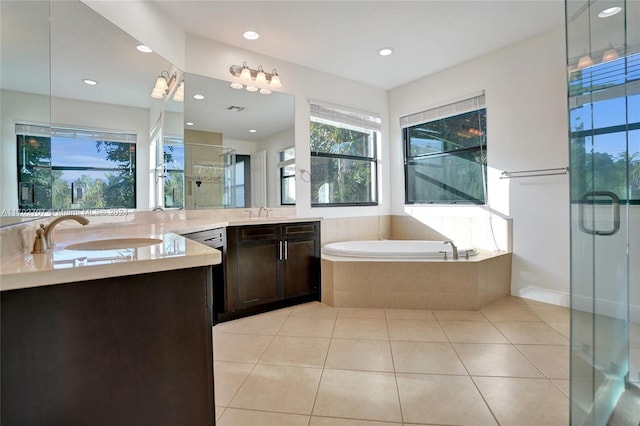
415	284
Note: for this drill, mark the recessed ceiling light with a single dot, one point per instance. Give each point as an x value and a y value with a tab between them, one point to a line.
385	51
144	49
609	12
198	97
252	131
89	82
250	35
189	123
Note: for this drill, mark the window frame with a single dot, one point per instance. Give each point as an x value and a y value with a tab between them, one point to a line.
24	130
444	112
357	121
282	178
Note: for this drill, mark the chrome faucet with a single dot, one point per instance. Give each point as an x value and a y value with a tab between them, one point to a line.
453	248
44	235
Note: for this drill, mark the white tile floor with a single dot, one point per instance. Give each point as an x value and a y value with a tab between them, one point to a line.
315	365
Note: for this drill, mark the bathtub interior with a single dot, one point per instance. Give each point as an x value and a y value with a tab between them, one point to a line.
397	249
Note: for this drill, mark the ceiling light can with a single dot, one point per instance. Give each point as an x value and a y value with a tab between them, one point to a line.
610	12
250	35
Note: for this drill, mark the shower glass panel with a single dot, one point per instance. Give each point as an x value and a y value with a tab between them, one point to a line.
603	62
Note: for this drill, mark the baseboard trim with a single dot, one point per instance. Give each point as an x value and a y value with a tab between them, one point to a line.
604	307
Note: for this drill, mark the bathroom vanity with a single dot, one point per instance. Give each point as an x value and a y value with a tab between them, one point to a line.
266	264
109	339
271	265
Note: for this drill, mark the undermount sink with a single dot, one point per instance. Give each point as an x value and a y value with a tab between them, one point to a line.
114	244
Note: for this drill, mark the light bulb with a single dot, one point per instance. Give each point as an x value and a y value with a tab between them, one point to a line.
610	54
275	80
261	77
584	62
161	83
157	93
245	74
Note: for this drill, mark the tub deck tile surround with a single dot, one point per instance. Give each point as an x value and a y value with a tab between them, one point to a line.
434	284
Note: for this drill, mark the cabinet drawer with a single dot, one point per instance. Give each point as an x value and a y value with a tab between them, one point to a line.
258	232
295	229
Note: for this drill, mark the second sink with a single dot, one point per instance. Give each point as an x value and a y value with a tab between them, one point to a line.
114	244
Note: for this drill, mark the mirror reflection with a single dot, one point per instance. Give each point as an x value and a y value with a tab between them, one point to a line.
80	129
238	140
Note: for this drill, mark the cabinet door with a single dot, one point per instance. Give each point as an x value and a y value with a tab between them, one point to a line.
301	266
256	267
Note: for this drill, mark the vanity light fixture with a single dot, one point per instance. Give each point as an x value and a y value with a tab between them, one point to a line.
164	85
250	78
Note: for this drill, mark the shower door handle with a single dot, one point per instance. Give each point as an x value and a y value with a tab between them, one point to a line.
590	199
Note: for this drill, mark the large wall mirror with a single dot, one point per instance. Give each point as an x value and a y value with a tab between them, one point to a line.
67	144
76	110
235	143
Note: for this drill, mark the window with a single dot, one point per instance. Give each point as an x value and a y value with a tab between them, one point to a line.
287	170
344	162
173	148
239	176
604	118
65	168
446	154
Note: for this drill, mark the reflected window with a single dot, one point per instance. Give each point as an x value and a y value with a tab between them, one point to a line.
173	151
240	178
604	116
287	175
344	163
446	154
66	168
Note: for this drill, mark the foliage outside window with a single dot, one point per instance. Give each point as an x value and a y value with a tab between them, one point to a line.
173	172
63	168
605	129
446	157
287	175
343	157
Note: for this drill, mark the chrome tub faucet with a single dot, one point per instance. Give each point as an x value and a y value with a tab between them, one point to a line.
453	248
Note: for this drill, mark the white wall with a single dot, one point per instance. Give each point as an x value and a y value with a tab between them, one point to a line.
525	86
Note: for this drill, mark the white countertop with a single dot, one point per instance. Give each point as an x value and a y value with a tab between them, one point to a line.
61	265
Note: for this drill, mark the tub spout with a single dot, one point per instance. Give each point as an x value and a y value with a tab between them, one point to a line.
453	248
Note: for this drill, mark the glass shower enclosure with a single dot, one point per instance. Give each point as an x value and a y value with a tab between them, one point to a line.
603	63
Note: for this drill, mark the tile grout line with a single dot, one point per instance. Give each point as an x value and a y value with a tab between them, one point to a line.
324	364
393	363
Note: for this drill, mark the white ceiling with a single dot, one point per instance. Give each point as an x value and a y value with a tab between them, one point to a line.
343	37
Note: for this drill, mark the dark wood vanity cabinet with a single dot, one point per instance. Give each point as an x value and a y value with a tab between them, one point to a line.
130	350
271	265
